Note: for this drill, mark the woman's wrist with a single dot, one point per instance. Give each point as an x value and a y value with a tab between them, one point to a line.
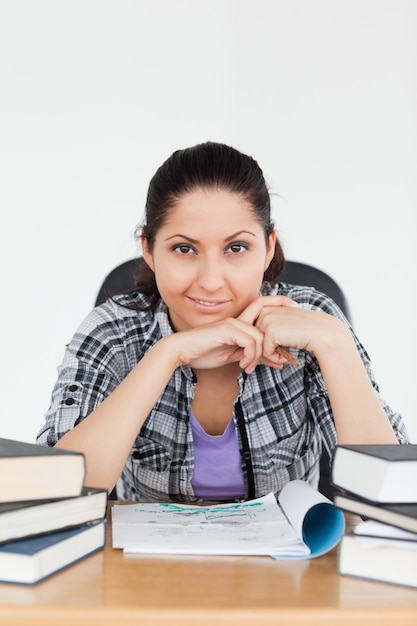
332	341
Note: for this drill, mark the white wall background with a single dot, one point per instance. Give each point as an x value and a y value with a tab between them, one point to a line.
95	94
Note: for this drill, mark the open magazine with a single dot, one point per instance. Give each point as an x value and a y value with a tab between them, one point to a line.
304	524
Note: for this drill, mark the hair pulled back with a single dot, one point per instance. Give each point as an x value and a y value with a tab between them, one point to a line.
206	166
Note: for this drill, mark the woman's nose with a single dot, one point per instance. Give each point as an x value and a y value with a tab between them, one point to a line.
210	276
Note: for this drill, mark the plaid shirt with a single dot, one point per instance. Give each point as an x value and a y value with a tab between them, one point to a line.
287	412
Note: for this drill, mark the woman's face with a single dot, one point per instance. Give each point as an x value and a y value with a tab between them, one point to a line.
209	258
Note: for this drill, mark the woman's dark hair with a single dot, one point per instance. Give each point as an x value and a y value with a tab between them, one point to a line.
204	166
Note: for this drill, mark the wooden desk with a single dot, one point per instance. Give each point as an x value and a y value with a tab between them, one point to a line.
110	588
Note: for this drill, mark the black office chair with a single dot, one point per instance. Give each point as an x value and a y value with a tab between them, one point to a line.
120	280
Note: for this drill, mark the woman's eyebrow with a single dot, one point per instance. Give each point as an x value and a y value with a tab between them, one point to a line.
240	232
196	241
181	236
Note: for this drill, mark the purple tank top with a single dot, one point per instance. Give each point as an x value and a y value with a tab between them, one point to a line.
217	464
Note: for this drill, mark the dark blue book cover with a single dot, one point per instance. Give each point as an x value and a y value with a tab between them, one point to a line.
28	561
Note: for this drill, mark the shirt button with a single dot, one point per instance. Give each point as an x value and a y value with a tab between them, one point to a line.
73	387
69	401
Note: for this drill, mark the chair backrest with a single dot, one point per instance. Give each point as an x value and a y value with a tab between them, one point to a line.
303	274
120	280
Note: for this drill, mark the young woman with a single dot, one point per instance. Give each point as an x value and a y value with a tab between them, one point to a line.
181	390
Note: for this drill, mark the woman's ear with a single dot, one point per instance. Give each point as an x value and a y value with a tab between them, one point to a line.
147	254
270	251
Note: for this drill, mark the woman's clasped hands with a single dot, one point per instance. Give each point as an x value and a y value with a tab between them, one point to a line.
254	337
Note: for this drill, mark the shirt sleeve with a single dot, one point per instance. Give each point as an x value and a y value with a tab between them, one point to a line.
95	362
310	298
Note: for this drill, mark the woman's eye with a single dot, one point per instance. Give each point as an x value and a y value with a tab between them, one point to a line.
183	248
237	248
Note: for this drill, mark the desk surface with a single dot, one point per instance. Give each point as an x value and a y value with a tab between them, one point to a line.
110	588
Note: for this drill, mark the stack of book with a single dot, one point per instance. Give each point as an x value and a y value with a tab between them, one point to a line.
48	518
378	483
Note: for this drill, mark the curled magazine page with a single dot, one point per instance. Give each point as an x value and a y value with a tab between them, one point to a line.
313	516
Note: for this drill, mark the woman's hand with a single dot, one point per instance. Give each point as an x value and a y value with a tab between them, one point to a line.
256	336
283	322
220	343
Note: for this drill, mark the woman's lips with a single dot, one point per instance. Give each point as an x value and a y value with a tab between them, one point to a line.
208	306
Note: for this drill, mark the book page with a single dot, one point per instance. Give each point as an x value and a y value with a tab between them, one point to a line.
305	524
256	527
372	528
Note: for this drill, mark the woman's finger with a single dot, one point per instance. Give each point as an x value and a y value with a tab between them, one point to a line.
254	309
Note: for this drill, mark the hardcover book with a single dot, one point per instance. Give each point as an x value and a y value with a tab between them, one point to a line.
32	517
379	473
379	552
33	472
401	515
29	561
